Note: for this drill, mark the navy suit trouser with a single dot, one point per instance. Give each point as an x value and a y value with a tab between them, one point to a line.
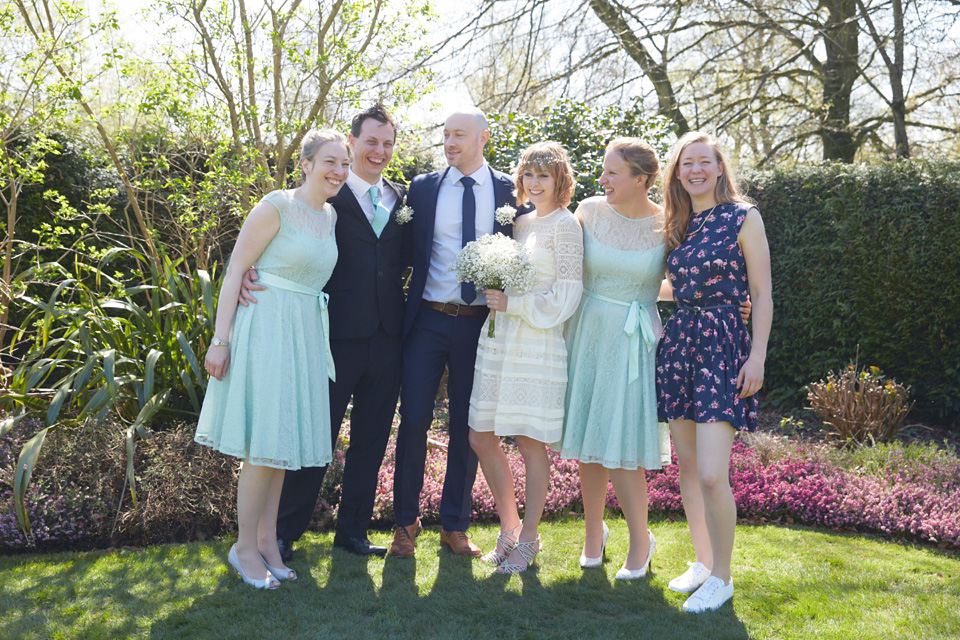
368	370
434	342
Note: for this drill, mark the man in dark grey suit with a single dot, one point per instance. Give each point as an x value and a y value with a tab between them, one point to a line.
366	311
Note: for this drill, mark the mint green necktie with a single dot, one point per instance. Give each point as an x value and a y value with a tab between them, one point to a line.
380	212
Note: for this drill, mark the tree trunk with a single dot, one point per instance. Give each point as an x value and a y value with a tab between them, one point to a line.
6	291
897	101
655	71
839	72
899	105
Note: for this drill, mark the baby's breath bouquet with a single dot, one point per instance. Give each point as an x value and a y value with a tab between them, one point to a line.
495	262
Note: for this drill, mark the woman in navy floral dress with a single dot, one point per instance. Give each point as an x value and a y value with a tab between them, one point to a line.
708	372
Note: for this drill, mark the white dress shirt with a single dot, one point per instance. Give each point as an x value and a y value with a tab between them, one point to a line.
442	285
361	189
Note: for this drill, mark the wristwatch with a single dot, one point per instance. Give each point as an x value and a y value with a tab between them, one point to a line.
217	342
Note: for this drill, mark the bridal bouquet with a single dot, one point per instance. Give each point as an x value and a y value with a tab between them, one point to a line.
495	262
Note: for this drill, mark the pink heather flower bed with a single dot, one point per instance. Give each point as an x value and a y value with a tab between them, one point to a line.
907	498
896	493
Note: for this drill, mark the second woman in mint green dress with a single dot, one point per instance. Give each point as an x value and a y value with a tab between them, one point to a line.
610	421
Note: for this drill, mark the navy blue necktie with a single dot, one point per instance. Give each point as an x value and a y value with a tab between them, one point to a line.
469	231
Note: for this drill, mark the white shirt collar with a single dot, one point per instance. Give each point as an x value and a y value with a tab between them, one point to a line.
359	186
480	176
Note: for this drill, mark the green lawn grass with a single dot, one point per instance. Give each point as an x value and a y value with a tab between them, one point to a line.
792	582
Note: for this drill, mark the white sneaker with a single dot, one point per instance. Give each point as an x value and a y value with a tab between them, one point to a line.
691	579
710	596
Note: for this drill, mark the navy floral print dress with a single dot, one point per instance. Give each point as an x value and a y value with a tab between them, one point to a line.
705	342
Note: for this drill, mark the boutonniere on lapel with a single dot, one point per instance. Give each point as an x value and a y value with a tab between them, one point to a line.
403	215
504	215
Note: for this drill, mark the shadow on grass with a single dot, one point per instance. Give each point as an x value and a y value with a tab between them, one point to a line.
791	580
436	595
89	595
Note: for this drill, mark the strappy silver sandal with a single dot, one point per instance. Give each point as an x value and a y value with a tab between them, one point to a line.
528	551
506	540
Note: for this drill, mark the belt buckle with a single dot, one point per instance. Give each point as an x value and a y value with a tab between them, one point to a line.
455	306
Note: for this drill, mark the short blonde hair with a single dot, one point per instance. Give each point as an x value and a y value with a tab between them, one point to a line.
639	156
316	138
551	157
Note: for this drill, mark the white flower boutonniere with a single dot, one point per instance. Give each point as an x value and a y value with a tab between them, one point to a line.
403	215
504	215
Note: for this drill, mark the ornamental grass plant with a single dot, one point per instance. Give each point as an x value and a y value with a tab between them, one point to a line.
860	404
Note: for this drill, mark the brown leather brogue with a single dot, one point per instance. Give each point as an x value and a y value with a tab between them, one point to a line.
404	540
459	543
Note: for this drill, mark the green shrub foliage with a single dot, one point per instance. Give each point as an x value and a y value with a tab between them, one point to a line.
868	256
107	345
584	131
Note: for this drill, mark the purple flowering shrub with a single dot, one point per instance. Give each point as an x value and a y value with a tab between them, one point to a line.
188	492
62	514
898	493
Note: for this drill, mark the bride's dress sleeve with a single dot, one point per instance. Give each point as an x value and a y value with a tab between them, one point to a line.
551	307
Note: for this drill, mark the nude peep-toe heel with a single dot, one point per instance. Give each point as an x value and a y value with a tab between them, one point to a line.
279	574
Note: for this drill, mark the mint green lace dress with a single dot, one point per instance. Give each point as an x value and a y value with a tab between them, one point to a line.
272	407
610	416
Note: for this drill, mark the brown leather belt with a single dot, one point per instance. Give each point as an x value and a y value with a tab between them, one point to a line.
454	309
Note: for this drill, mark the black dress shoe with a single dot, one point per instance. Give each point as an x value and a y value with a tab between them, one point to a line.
359	546
286	549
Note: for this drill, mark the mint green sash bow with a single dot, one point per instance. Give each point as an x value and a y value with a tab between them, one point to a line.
638	325
322	298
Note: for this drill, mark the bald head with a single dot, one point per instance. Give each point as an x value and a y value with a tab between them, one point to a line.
465	133
471	117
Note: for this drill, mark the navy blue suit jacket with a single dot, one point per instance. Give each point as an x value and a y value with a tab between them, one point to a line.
422	197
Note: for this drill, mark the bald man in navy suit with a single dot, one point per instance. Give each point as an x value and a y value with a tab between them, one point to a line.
441	327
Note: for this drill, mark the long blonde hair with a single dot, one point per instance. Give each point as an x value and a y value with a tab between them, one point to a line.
677	206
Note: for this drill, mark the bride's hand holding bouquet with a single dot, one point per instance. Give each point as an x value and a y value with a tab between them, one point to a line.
495	262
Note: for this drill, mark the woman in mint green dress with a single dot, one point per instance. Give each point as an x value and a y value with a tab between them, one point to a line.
267	400
610	421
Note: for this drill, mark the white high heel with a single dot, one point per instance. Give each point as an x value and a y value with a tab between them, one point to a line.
528	551
634	574
593	563
279	574
265	583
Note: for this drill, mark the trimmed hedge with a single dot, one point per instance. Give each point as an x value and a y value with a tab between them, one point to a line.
865	256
